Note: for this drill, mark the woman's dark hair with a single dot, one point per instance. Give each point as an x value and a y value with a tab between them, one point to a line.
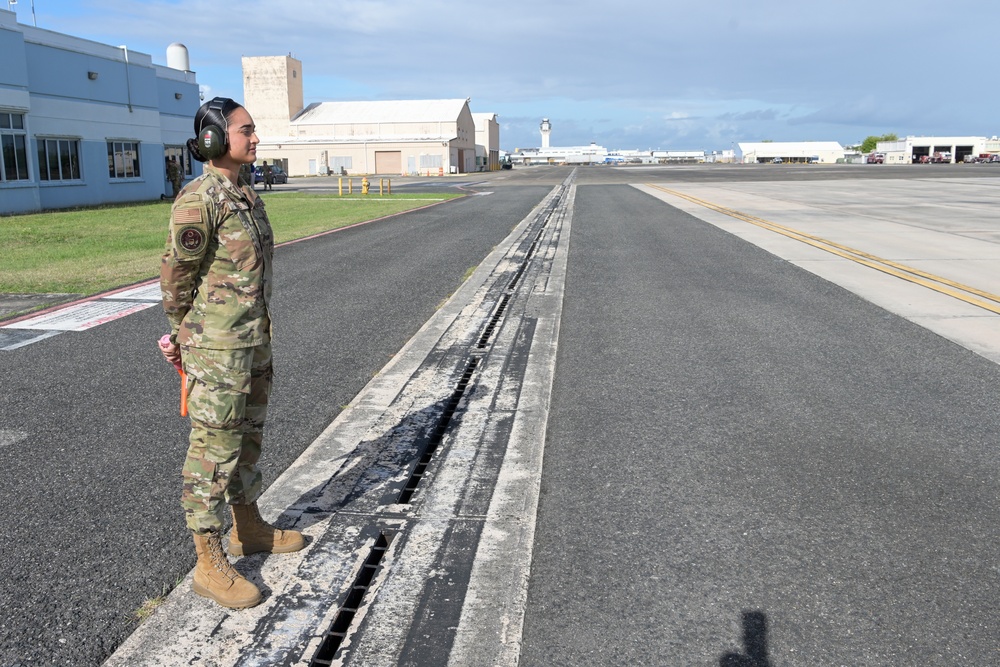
214	112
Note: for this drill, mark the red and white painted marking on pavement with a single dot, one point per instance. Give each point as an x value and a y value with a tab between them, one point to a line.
79	316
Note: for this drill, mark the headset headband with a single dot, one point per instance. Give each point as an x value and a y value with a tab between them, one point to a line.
218	104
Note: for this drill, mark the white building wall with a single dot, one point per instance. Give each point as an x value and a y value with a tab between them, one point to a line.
903	151
796	151
272	92
323	136
487	142
88	94
424	158
558	155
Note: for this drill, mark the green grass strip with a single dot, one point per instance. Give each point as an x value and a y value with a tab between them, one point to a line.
86	251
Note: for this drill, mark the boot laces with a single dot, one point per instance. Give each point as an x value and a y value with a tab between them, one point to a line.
258	520
219	560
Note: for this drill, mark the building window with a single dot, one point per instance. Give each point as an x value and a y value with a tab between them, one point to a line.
58	160
123	159
13	148
431	161
341	162
180	153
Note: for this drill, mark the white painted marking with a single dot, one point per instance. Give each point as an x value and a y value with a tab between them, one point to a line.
9	437
150	292
82	316
29	340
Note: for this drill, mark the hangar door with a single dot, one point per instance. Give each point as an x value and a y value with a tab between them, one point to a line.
388	162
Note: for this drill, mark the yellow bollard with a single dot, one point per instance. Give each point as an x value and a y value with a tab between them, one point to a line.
388	183
340	187
381	186
350	186
364	185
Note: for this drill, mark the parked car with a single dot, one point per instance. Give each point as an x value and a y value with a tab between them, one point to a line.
777	160
277	173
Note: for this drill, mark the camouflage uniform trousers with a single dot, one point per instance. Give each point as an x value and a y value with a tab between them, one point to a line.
227	403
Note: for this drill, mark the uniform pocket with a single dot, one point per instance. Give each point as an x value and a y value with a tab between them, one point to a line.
236	236
219	386
222	369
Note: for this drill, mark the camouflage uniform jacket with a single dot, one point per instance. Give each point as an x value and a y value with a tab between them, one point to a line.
215	277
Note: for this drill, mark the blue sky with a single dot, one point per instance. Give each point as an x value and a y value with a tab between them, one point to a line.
645	74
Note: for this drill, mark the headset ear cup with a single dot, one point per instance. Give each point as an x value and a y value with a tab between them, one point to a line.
212	142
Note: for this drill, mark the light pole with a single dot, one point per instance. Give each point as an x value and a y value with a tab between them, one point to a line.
11	3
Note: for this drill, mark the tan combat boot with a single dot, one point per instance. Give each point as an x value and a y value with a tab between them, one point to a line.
216	578
251	534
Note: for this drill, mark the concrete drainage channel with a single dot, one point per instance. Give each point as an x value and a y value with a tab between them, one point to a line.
406	494
334	639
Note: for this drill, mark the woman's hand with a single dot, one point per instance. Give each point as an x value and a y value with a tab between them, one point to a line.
171	351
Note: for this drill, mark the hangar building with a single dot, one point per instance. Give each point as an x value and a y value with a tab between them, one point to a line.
592	154
401	137
791	151
487	141
913	150
83	123
547	154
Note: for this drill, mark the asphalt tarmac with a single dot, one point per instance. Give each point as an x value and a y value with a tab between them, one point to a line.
92	444
749	465
745	463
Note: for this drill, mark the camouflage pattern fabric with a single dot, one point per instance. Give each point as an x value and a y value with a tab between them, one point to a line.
227	402
174	176
246	175
215	276
215	280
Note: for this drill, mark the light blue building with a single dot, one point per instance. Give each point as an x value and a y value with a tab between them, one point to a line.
83	123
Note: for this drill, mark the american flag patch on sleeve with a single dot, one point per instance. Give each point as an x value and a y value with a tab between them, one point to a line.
187	215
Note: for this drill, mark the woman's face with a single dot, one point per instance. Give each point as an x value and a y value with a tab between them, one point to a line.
242	138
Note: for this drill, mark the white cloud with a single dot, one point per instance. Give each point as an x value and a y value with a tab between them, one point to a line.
601	71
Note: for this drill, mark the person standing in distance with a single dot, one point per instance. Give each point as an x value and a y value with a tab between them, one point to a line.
268	176
174	176
215	280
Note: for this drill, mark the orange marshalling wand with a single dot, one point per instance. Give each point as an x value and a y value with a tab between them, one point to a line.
184	396
164	344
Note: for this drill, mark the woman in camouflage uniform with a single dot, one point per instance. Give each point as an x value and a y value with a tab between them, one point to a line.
216	285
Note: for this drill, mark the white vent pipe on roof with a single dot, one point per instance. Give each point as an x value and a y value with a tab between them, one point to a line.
177	57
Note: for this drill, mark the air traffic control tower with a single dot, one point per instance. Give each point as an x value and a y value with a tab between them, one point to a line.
546	128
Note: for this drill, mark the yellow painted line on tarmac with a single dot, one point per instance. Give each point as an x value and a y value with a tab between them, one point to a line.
988	300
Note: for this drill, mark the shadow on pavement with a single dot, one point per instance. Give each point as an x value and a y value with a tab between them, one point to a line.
754	643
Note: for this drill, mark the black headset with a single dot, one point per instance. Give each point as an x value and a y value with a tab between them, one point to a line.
213	140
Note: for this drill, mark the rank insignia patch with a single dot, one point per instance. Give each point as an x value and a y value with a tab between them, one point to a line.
191	239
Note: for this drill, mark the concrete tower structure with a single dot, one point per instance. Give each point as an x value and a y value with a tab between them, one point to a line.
546	128
272	93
